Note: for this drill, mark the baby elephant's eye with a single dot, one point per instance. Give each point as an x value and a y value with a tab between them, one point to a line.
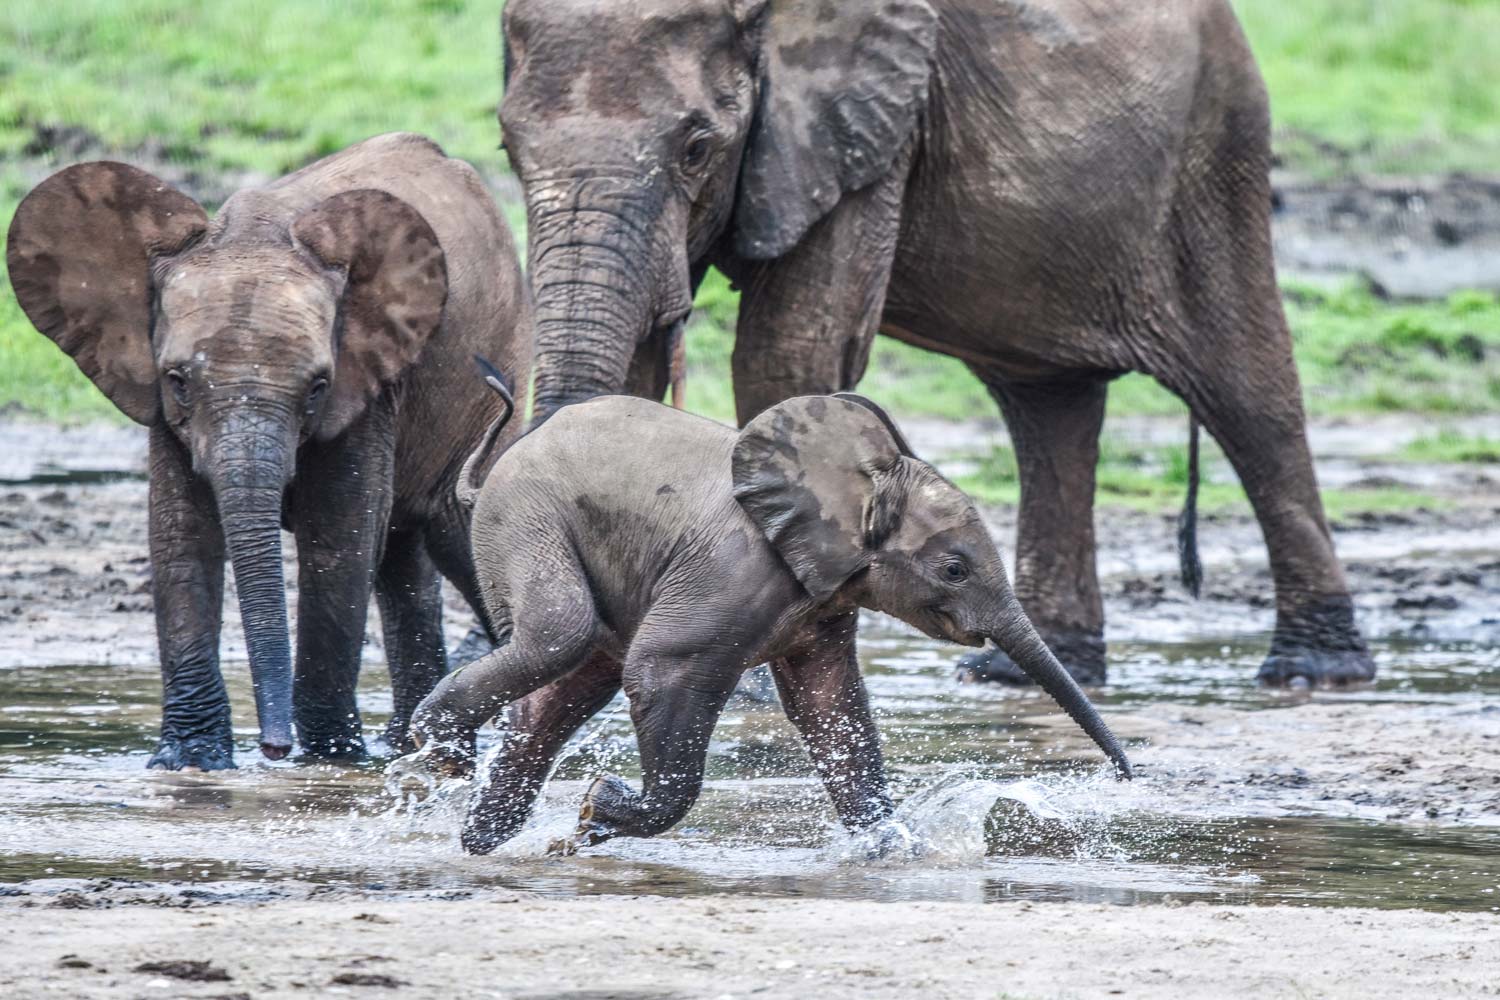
955	572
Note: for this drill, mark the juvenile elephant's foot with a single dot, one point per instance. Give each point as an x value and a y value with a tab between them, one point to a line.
1081	654
1318	646
335	745
193	753
608	807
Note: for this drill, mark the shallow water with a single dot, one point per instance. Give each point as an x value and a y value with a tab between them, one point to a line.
995	804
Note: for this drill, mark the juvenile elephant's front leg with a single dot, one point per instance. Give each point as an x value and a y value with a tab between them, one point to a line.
341	508
187	564
824	696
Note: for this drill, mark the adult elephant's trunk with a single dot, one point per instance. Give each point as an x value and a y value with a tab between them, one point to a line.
1016	636
249	470
595	280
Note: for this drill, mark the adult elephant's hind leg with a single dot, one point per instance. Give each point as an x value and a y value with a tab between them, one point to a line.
539	726
1226	349
1054	427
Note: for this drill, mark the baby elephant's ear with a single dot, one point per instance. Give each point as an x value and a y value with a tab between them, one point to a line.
79	253
819	477
397	285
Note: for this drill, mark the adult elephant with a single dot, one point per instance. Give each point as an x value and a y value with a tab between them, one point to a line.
1054	192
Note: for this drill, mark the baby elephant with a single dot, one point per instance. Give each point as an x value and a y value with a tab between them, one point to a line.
301	360
624	543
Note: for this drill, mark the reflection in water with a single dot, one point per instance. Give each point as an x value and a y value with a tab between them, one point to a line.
994	805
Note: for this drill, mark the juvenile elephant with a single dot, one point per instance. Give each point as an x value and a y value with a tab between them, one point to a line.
302	361
625	543
1053	191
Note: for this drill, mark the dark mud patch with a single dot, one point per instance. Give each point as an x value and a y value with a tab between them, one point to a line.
190	970
1408	237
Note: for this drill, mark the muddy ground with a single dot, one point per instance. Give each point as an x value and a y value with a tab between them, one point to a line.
652	949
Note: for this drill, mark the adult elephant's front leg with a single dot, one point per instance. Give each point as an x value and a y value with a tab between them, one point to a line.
807	318
1054	427
187	582
341	504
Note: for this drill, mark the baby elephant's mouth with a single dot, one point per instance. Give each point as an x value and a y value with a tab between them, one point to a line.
946	626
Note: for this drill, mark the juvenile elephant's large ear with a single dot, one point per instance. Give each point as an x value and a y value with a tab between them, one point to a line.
819	475
79	255
397	285
842	85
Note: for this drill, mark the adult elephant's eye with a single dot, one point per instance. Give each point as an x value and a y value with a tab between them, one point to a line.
177	381
955	572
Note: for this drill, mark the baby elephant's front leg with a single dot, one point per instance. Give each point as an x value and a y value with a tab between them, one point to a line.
674	705
824	696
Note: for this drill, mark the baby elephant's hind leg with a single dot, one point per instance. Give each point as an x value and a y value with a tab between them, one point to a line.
555	630
538	728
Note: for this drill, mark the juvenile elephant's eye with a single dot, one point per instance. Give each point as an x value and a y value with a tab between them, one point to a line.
177	380
695	154
316	391
955	572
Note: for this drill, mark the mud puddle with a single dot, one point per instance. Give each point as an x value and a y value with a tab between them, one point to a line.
1388	797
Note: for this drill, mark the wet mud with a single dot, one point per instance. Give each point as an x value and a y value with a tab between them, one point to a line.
1341	816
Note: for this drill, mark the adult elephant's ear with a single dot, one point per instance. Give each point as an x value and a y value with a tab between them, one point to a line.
395	290
842	85
820	476
80	251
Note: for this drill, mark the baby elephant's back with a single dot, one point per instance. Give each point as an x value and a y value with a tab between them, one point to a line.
630	484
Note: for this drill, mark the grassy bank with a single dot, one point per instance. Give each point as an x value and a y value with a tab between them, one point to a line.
262	86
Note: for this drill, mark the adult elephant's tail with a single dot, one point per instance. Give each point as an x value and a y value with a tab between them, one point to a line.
469	481
1191	568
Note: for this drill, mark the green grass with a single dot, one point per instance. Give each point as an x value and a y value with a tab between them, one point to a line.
1155	481
264	85
1449	445
1388	86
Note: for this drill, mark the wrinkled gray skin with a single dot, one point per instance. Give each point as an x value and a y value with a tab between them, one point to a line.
1055	192
625	543
303	361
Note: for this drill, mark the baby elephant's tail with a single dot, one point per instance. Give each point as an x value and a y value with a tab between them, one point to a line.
469	480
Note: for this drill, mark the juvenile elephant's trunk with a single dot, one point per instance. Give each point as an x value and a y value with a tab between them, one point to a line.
249	472
593	275
1016	636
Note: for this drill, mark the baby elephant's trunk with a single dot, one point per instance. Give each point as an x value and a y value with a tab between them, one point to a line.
1020	641
469	478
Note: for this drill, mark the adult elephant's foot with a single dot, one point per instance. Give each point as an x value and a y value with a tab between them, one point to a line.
193	753
1082	654
1318	645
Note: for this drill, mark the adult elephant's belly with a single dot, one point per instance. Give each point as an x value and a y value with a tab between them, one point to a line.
1036	233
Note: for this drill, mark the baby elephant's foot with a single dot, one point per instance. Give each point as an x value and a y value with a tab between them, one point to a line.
451	757
606	805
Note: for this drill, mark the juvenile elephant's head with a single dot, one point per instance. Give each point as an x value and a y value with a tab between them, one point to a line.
643	132
851	511
245	338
